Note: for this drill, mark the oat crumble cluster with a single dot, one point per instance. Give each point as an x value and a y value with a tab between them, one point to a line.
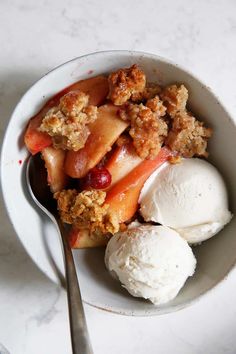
147	128
86	209
157	107
68	123
150	91
124	83
174	98
188	136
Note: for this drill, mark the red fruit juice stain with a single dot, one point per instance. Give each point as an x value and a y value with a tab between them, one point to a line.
90	72
19	162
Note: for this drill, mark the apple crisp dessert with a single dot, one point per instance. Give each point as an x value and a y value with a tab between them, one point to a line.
102	138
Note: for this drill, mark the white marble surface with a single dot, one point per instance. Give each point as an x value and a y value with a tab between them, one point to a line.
36	36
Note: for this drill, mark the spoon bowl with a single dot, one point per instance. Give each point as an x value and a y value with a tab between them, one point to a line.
36	179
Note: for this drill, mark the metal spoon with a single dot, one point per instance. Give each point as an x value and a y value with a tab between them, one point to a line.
36	181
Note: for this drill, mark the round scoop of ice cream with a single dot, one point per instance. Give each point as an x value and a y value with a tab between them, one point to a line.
152	262
189	197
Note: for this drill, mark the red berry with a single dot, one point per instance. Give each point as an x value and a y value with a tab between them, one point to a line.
98	178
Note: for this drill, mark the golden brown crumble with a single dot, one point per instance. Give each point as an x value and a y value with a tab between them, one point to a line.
87	210
124	83
188	136
174	98
156	106
175	159
67	123
65	201
149	92
72	103
148	129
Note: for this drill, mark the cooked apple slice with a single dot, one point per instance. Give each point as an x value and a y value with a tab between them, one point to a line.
122	161
35	140
123	196
103	133
54	162
81	238
96	87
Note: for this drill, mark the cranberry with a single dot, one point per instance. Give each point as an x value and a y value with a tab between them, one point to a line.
98	178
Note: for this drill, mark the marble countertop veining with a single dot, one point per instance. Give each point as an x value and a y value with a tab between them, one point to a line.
35	37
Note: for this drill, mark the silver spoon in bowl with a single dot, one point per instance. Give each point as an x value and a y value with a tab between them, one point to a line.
36	180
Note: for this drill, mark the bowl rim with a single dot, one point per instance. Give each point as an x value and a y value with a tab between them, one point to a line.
154	56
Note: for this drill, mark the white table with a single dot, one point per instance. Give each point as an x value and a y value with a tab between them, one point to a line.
35	36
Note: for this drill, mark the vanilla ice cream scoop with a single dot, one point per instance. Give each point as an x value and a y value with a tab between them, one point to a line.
152	262
189	197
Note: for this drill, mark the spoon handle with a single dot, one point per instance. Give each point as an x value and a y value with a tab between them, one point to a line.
78	327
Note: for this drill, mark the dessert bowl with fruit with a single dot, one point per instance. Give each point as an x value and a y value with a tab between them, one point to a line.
135	149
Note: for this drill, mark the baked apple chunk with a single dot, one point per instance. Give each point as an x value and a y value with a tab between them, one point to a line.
103	133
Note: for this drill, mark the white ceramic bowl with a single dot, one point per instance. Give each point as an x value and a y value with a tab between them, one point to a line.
215	257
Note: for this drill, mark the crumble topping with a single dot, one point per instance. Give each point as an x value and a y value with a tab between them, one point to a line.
188	136
87	209
156	106
65	201
156	115
175	159
174	98
67	123
148	128
149	92
124	83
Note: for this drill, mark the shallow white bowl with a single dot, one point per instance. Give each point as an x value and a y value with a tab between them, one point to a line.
215	257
